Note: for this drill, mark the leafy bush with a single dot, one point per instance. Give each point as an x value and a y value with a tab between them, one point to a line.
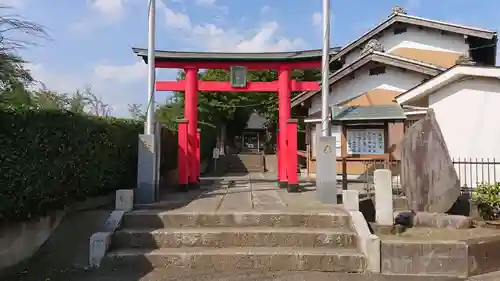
49	159
487	199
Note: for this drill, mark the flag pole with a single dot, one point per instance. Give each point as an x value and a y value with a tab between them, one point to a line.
150	121
325	71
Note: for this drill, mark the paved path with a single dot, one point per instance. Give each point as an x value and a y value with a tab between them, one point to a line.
252	192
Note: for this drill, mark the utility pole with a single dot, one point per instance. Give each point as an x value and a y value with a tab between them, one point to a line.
150	121
325	71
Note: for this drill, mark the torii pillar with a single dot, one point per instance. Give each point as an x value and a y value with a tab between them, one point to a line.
191	114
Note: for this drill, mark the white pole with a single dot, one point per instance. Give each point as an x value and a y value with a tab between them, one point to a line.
325	72
150	121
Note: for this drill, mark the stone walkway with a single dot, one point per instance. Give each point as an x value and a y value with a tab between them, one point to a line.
252	192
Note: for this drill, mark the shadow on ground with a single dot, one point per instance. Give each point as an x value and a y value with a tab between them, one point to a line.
65	254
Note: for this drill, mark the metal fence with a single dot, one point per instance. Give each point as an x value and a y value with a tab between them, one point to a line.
475	171
369	167
470	171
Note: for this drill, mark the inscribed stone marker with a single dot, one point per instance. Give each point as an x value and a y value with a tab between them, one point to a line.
326	174
429	179
146	177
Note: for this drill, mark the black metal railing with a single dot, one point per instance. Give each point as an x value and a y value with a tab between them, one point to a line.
470	171
475	171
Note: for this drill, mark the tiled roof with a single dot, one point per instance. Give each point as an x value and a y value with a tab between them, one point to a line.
363	113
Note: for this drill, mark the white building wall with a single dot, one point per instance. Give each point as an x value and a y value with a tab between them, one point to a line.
469	117
415	38
393	79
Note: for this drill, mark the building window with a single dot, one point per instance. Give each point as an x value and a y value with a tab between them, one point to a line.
377	70
365	141
400	29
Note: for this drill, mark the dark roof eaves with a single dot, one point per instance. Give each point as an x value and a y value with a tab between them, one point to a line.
232	56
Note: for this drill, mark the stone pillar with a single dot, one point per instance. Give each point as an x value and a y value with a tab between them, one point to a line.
191	114
182	155
292	157
350	200
384	214
284	108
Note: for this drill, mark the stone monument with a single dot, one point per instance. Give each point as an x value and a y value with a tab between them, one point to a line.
429	179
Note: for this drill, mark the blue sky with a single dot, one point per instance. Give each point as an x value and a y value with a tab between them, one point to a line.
92	39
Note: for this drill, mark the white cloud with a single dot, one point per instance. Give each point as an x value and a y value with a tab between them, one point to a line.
265	9
212	4
61	82
206	3
111	9
108	12
317	19
117	85
177	19
13	3
123	74
214	38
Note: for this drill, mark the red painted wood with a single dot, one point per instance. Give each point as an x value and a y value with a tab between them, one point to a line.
284	114
198	156
216	86
248	64
191	114
300	86
292	159
182	155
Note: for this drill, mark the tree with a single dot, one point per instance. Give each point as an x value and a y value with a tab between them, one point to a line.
96	105
136	112
77	102
81	101
15	34
47	99
230	110
170	112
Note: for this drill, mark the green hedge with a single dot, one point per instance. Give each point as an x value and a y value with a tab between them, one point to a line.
49	159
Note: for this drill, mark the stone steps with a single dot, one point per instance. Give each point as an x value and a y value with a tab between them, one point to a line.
157	219
220	237
246	163
222	240
220	259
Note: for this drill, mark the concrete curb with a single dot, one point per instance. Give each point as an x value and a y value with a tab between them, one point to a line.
100	241
368	243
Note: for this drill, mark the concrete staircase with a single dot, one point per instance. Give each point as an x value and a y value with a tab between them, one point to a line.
241	163
270	241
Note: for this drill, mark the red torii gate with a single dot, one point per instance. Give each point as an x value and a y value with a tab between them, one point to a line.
192	62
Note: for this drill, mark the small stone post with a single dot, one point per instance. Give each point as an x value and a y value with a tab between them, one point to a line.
124	200
350	200
384	213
